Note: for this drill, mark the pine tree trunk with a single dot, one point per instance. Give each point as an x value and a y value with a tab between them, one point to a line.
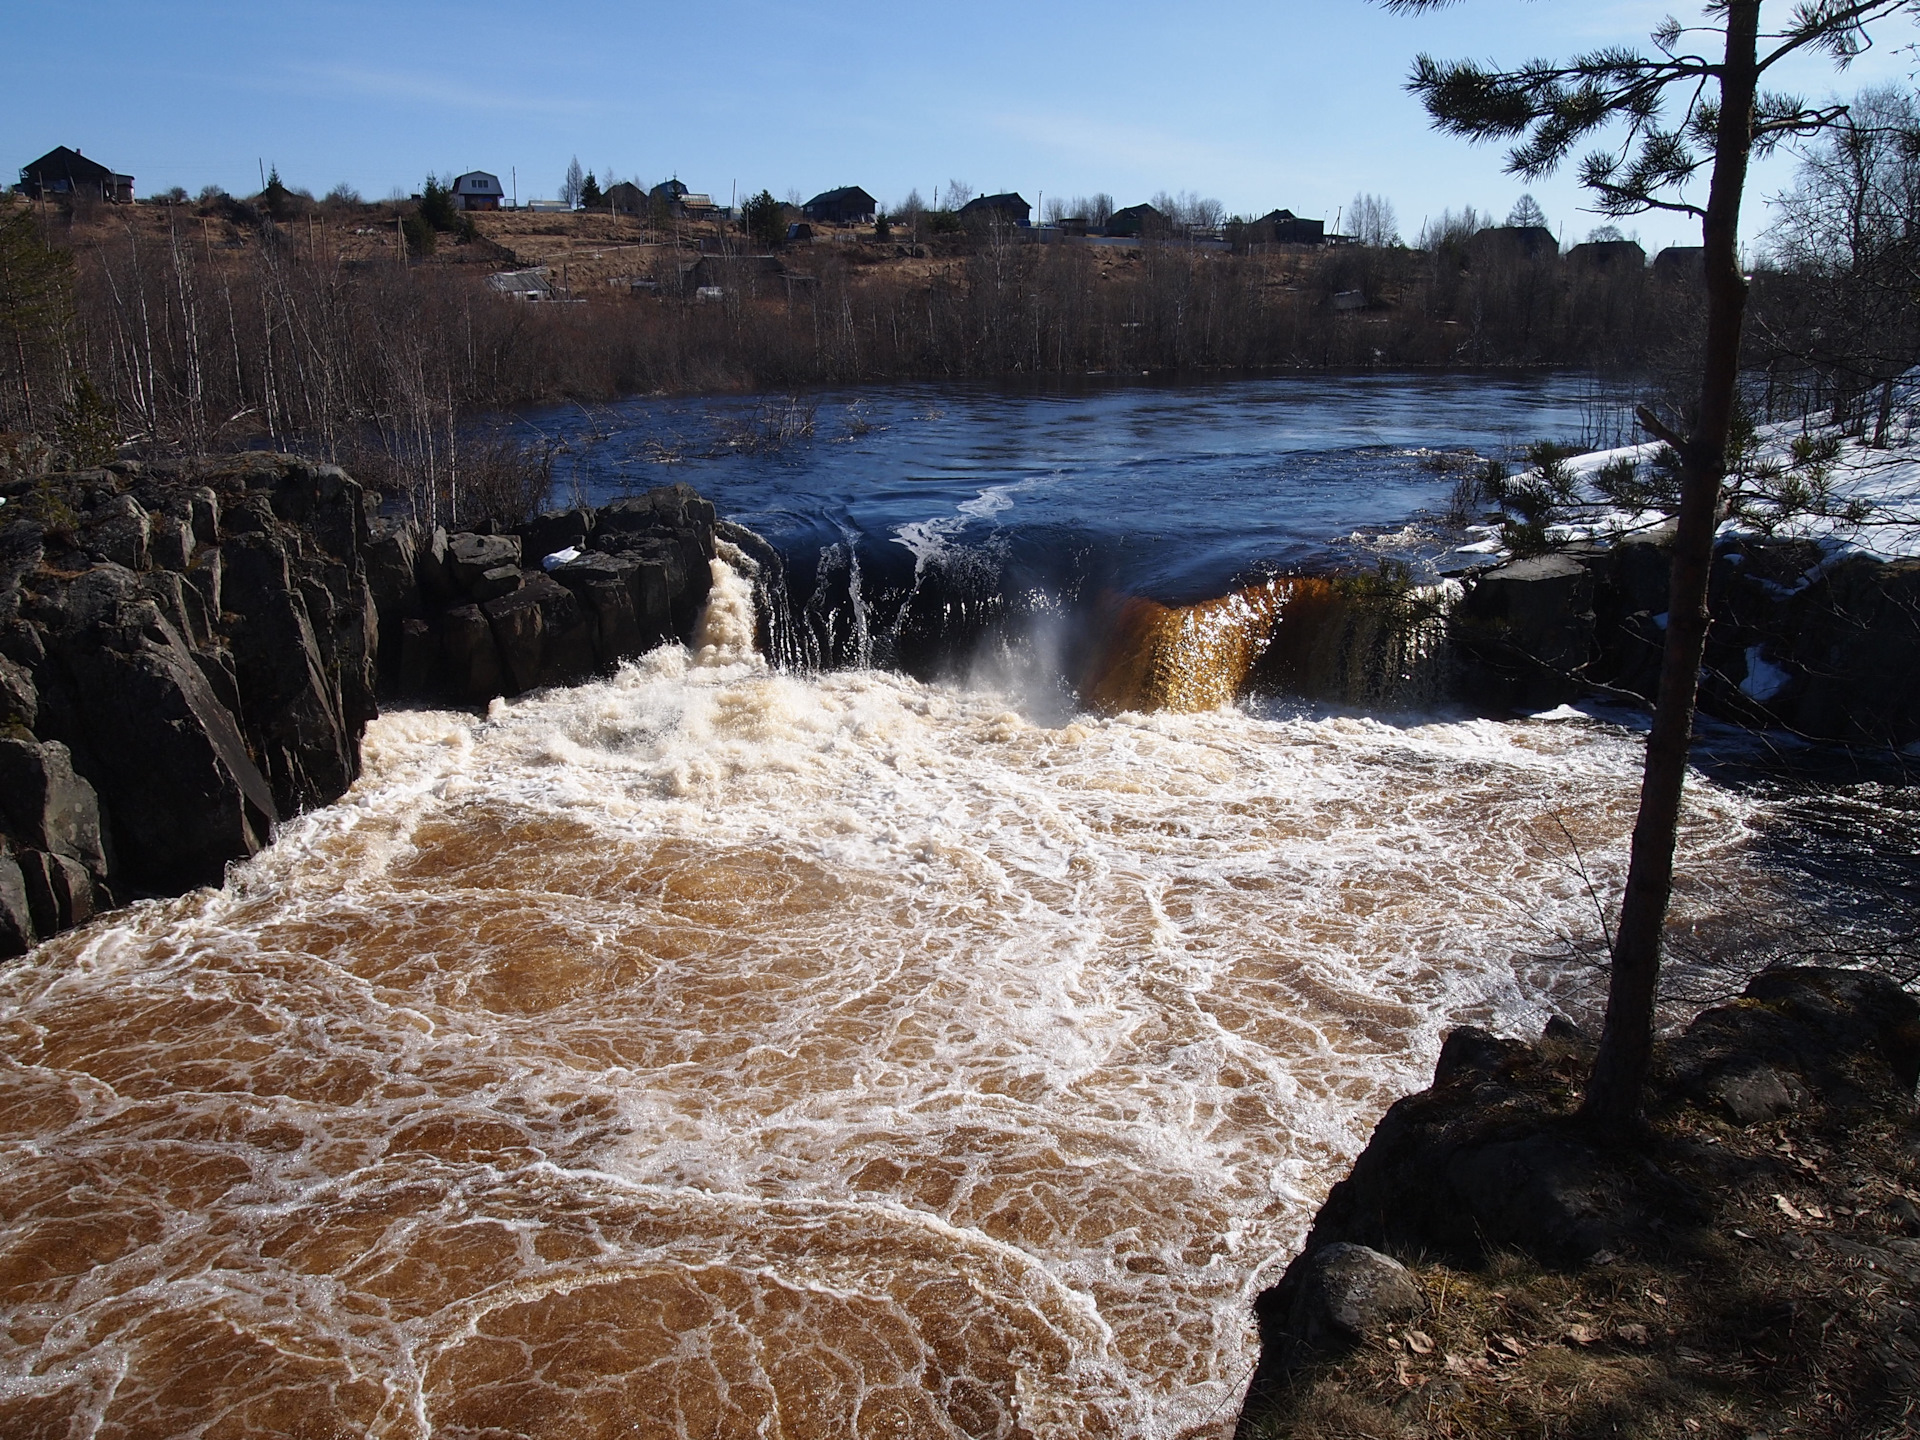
1612	1100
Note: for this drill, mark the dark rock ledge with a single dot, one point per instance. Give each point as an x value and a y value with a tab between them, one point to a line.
1488	1172
189	652
1824	645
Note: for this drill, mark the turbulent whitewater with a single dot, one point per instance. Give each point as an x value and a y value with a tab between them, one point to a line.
713	1051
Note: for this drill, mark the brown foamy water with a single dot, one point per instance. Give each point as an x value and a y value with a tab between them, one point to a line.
713	1052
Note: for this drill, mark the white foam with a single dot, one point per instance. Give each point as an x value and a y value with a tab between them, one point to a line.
821	993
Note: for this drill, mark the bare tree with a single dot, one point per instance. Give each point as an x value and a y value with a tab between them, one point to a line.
1527	212
1371	221
1846	248
575	185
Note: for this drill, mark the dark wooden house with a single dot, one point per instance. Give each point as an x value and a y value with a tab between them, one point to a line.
626	198
1609	255
1531	242
1681	265
1283	227
64	172
1009	208
1137	220
849	205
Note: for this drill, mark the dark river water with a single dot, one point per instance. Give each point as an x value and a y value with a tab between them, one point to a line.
1176	491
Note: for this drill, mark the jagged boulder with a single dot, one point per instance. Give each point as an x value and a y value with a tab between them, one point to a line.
1527	630
469	556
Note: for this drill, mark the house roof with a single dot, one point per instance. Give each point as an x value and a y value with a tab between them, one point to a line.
476	182
60	161
1006	200
1141	210
846	194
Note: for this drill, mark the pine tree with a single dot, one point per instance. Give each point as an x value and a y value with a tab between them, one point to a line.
1723	119
276	199
766	221
590	196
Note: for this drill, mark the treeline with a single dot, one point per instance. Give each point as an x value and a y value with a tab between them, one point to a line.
194	347
155	336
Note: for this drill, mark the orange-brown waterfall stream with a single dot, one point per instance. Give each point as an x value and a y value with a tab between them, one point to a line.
718	1052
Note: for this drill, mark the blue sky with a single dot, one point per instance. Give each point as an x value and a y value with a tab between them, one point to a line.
1288	102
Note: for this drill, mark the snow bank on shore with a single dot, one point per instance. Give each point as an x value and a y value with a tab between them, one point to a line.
1868	498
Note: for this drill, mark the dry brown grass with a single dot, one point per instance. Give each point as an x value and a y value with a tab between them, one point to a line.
1797	1318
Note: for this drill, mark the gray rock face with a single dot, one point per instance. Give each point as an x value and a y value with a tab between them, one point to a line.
19	700
471	556
1333	1297
218	647
45	806
17	932
1528	626
501	580
554	531
1755	1094
641	584
119	532
1349	1293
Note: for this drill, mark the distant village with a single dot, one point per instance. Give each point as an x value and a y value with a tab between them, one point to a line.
850	213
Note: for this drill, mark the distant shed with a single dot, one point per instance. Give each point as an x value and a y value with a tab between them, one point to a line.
1283	227
1534	242
1681	265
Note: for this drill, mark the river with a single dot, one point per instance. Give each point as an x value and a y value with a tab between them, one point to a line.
720	1049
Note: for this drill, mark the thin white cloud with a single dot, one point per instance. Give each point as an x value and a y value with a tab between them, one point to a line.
428	88
1106	141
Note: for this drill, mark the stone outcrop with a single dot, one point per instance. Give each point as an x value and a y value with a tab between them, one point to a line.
467	616
189	653
1826	646
1492	1158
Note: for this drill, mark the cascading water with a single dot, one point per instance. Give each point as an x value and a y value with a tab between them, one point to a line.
760	1042
713	1051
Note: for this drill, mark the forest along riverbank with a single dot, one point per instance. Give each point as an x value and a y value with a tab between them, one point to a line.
814	1049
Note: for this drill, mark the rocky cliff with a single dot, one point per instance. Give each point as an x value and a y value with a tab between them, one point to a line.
189	653
1826	645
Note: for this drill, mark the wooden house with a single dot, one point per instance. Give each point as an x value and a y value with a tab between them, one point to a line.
626	198
63	172
477	190
1008	207
1619	255
849	205
1137	220
1529	242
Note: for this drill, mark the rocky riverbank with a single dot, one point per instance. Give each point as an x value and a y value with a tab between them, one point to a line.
1751	1267
1821	642
189	653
